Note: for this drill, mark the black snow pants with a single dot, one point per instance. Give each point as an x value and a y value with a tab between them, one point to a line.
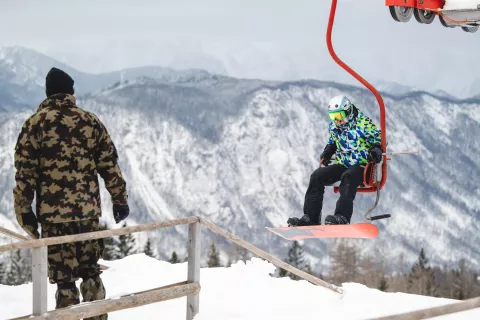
350	179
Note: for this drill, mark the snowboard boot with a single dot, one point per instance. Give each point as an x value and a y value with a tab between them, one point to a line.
303	221
336	219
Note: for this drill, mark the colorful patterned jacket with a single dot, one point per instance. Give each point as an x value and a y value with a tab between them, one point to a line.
352	141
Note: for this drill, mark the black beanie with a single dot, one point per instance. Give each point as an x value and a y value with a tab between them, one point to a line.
58	81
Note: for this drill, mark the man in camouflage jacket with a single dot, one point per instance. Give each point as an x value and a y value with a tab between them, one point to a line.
59	152
354	140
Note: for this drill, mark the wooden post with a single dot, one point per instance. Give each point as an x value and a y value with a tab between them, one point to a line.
194	247
39	278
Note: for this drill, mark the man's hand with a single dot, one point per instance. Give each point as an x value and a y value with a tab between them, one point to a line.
327	154
29	223
120	212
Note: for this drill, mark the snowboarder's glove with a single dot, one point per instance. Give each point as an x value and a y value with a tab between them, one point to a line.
120	212
375	154
29	223
327	153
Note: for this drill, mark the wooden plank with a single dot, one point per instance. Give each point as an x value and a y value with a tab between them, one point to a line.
90	309
436	311
164	287
277	262
39	279
13	234
97	234
194	234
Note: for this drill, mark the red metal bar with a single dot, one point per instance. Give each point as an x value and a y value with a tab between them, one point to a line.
431	4
366	84
403	3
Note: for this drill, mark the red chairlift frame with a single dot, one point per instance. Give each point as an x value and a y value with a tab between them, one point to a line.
368	188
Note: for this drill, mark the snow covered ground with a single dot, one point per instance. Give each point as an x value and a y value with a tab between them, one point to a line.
242	291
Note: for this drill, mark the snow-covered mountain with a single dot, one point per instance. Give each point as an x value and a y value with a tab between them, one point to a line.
394	88
240	153
23	71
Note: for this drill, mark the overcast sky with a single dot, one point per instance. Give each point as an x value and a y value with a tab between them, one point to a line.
269	39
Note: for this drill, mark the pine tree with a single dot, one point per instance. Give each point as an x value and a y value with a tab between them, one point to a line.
344	263
463	281
27	265
11	278
383	284
296	259
2	272
111	246
476	284
213	257
112	249
282	273
174	258
457	286
242	254
19	271
149	250
127	243
421	279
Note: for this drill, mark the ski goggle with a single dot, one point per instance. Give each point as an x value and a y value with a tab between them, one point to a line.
337	115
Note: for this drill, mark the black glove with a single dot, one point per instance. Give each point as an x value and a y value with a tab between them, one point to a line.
29	223
303	221
327	153
375	154
120	212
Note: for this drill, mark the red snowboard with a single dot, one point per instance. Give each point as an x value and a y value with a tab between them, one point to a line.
356	230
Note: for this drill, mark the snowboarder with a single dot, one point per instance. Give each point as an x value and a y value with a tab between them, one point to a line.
58	154
354	140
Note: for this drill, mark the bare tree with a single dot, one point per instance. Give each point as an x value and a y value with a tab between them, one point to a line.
344	262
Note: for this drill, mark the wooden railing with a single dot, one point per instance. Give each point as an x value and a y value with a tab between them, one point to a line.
190	287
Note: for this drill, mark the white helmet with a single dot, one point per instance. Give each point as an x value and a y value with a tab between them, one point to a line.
339	108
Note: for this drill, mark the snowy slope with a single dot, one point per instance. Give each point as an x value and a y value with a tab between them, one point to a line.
243	291
240	152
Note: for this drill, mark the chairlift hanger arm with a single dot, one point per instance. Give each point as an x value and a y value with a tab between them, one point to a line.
364	82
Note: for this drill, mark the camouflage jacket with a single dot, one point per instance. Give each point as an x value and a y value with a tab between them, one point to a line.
58	154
